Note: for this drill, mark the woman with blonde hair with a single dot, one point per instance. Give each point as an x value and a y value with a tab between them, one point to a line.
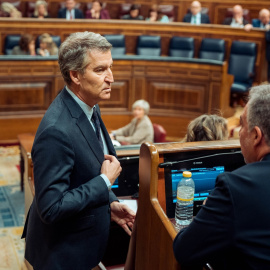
46	46
207	127
41	11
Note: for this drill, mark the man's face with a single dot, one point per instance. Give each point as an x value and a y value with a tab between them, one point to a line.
246	140
70	4
195	8
265	18
95	83
237	12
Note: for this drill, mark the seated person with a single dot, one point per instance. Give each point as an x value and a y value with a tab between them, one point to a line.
237	20
231	231
140	129
96	12
10	10
155	15
207	127
41	11
195	16
46	46
134	13
262	22
26	46
70	12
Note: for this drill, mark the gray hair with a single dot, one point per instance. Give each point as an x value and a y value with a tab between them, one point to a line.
142	104
73	52
41	3
258	110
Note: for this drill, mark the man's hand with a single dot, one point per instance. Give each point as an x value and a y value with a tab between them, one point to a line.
123	216
111	168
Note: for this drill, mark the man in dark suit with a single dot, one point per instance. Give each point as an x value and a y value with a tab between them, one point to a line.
75	165
70	12
237	20
263	21
196	17
231	231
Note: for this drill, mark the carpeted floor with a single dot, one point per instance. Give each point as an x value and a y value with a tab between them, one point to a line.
11	211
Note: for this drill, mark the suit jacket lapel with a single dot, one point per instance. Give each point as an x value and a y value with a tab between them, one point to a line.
84	125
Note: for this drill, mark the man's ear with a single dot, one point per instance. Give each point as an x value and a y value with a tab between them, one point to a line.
258	136
74	75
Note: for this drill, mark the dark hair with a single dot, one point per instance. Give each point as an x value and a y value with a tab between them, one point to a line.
24	42
134	7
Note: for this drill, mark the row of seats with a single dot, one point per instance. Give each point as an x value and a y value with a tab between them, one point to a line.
13	40
241	62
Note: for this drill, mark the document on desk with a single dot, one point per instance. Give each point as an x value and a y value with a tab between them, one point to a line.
132	204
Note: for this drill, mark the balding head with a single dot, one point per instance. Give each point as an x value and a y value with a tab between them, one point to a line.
264	16
237	11
195	7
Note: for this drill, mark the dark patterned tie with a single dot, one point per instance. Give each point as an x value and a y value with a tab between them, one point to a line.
96	123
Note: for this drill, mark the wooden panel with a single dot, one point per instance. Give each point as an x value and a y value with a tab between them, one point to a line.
179	97
174	100
22	96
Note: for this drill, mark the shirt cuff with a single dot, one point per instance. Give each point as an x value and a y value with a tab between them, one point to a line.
107	181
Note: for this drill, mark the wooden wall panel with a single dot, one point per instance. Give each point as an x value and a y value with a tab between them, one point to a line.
22	96
174	99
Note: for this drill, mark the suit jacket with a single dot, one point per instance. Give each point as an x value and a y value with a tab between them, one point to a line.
104	14
68	223
62	13
232	230
136	134
228	21
204	18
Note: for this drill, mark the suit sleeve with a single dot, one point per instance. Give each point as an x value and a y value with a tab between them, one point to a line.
53	158
211	232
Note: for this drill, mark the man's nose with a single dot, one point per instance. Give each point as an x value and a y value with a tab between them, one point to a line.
109	77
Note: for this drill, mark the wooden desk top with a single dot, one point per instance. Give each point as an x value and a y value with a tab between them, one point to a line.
26	142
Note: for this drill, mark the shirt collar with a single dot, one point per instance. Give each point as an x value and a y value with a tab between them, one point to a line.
86	108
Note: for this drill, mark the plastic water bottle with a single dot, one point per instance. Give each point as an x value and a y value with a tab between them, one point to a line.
184	204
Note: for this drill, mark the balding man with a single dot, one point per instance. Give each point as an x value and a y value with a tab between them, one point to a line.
231	231
195	16
237	20
264	19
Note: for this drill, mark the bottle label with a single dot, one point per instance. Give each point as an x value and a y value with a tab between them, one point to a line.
185	200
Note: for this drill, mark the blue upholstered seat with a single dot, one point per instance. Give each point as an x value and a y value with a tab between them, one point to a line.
149	45
118	43
241	65
182	47
10	42
212	48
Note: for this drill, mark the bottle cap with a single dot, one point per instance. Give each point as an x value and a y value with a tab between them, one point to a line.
187	174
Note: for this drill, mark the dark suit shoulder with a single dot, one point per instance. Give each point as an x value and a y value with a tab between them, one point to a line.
187	18
227	21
